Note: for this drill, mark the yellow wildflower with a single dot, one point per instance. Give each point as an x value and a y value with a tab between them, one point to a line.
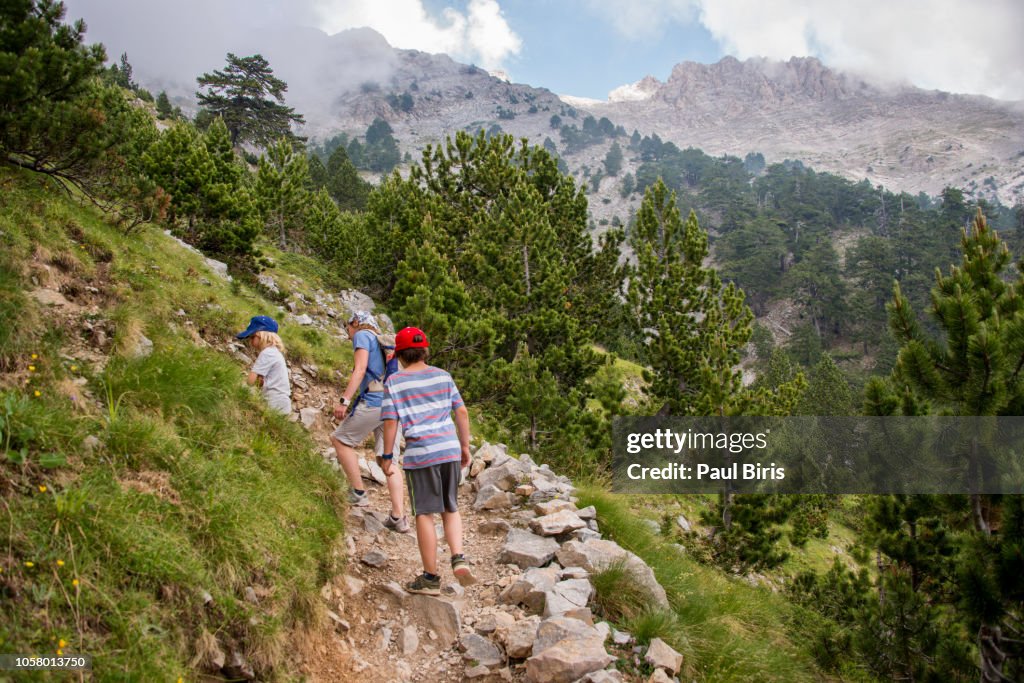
37	393
74	368
63	643
31	368
74	582
30	564
42	488
34	356
60	563
60	652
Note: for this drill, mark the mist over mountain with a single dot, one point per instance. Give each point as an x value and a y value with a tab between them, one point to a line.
899	136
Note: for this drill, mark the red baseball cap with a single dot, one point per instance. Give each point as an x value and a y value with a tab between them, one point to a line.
411	338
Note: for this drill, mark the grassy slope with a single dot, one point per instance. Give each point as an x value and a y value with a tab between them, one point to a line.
194	488
726	629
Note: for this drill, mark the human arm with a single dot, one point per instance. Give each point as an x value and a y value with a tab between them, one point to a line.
254	378
361	359
390	435
462	426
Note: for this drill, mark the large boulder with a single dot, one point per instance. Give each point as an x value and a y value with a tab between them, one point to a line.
492	498
519	637
442	616
557	523
566	596
505	477
530	588
476	648
661	656
565	650
527	550
597	554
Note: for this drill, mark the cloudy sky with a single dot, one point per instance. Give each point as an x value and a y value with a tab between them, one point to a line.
588	47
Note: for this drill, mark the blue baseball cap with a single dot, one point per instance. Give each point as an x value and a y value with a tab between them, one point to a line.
259	323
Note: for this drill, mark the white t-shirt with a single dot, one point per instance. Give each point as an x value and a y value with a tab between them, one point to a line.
270	365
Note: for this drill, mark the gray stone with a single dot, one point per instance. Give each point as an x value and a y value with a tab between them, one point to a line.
567	595
585	535
605	629
396	591
476	648
530	588
310	417
525	549
659	676
552	506
268	282
567	661
305	320
595	554
488	452
573	573
443	616
684	524
219	268
478	671
454	590
492	498
653	526
588	513
353	585
408	640
354	301
376	473
661	656
518	638
621	638
492	621
557	523
592	525
505	477
476	467
372	523
602	676
340	624
142	347
385	323
375	558
383	640
555	629
250	595
494	526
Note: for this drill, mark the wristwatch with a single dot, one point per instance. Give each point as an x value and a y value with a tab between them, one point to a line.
345	402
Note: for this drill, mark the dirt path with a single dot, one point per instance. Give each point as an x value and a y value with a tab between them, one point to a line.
378	643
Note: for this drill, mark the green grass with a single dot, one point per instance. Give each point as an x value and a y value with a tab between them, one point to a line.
194	487
726	629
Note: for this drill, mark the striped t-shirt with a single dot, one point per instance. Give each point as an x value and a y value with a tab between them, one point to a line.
422	402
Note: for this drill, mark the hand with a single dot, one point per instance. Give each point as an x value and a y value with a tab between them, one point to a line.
340	411
466	457
385	465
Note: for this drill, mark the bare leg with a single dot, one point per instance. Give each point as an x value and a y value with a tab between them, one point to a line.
349	463
426	538
395	491
452	522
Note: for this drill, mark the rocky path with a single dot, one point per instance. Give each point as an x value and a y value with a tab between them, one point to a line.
528	617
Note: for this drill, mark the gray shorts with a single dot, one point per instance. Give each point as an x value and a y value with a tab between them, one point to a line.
434	489
358	424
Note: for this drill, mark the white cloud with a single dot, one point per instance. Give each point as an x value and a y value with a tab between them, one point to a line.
480	34
644	19
954	45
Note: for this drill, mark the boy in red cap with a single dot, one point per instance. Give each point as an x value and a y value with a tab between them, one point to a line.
424	398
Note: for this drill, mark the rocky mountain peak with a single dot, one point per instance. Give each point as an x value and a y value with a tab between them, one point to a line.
763	81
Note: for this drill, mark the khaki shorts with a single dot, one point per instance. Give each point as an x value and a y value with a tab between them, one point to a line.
358	424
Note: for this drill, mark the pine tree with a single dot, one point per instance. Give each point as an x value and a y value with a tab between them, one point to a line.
164	110
250	100
613	159
343	182
973	369
280	190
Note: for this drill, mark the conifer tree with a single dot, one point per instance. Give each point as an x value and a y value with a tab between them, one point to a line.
280	188
164	110
973	369
343	182
250	99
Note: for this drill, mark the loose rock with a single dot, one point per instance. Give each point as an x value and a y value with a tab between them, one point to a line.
661	656
525	549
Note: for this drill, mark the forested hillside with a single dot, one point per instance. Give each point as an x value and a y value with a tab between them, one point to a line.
116	389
